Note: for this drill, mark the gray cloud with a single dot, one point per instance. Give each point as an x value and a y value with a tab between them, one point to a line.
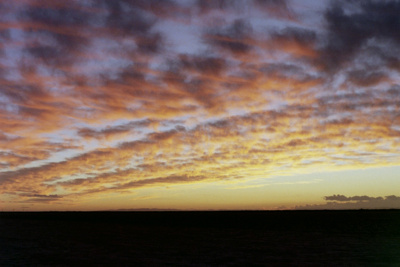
354	198
209	5
297	35
203	64
356	202
352	24
362	77
161	181
38	198
274	7
110	131
58	32
232	38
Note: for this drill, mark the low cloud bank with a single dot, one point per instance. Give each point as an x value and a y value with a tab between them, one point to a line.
336	202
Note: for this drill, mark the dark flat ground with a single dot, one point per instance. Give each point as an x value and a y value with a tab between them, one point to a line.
239	238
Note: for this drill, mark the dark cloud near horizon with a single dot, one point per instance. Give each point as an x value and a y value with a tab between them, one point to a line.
36	198
54	196
356	202
353	198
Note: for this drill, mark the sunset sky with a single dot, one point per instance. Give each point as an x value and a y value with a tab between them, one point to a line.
198	105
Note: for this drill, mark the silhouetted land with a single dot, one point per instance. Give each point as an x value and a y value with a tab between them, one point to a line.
239	238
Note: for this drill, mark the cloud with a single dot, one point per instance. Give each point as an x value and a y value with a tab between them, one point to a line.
233	39
276	8
114	130
356	202
366	78
12	160
209	5
273	7
57	33
98	96
354	198
211	145
38	198
161	181
353	25
297	41
204	65
20	151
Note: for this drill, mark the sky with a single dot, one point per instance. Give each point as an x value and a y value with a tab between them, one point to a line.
199	105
